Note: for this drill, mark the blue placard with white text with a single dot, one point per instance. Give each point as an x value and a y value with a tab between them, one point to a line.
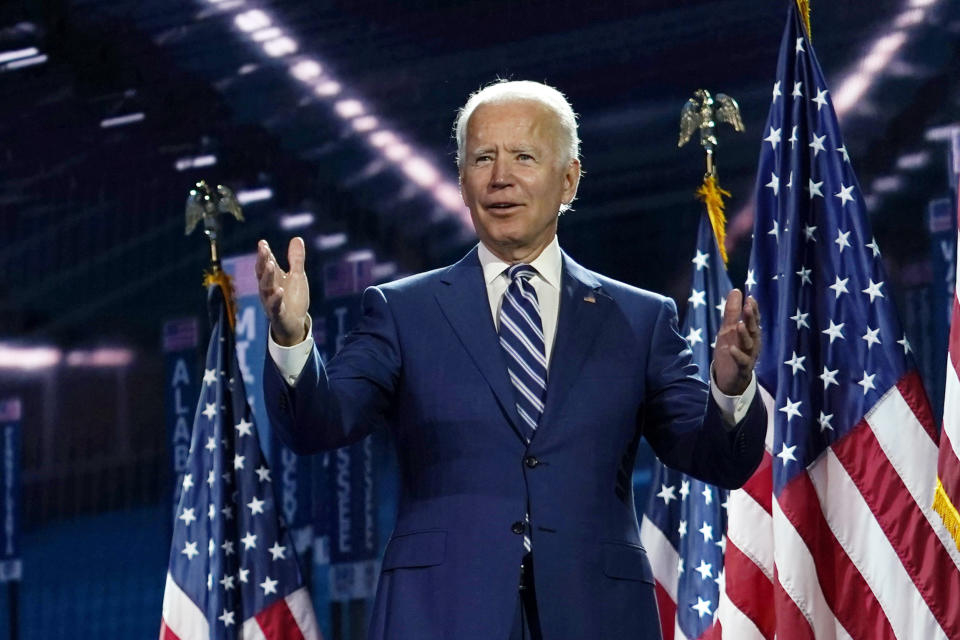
292	472
350	485
181	377
11	565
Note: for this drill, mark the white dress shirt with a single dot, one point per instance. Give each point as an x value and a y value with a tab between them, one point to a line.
549	267
546	283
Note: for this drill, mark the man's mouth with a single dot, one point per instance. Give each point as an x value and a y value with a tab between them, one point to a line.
503	206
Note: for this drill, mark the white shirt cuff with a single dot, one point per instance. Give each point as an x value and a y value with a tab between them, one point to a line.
291	360
733	408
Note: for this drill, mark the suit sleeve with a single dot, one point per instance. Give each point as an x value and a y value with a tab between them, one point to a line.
339	404
682	421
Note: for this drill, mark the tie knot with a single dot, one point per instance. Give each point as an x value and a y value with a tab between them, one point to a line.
521	270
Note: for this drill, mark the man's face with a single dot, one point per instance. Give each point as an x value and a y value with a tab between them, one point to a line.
513	177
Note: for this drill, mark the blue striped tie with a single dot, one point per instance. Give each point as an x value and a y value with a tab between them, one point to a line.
521	337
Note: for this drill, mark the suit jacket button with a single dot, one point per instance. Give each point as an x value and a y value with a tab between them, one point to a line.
531	461
517	527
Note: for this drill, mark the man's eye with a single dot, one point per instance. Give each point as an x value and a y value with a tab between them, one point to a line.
524	156
482	159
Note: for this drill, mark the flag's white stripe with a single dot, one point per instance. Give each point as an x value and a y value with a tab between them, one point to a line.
951	408
251	630
913	454
302	610
768	402
183	617
526	316
662	555
750	529
858	532
734	622
797	574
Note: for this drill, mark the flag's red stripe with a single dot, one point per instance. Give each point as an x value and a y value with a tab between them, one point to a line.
948	469
910	533
165	633
846	592
712	632
791	623
668	611
277	622
954	348
760	485
749	589
911	388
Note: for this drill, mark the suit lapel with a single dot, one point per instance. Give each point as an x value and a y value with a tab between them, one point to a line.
463	299
583	309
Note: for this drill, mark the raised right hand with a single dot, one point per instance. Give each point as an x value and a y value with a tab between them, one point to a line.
285	295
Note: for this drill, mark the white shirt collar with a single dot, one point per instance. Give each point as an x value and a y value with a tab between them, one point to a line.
548	264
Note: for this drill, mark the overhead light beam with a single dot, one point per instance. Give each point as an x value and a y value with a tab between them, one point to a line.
7	56
119	121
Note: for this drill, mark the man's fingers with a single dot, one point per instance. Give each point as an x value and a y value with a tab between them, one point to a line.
270	282
742	359
296	253
273	303
724	331
751	315
746	339
263	256
270	275
733	307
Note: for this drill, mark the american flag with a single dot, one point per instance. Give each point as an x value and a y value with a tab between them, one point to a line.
947	501
180	334
684	523
834	536
233	569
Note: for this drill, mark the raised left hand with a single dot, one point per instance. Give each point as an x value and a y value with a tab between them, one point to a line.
738	344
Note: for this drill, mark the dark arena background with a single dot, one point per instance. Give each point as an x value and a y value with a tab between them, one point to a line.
331	120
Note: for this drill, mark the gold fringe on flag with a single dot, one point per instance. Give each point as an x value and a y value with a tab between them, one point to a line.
220	278
804	7
951	518
712	195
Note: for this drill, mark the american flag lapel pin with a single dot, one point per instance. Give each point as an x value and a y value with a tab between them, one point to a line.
589	298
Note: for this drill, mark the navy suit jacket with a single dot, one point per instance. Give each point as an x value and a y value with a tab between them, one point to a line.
425	362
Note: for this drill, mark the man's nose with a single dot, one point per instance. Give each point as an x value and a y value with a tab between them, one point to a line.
501	175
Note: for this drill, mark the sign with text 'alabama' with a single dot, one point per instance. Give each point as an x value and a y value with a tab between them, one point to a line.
181	337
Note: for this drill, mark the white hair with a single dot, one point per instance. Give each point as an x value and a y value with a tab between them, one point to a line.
501	91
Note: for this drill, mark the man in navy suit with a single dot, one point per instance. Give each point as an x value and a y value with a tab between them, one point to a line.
516	518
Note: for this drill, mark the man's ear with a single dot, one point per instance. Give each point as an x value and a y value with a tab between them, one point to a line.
571	180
